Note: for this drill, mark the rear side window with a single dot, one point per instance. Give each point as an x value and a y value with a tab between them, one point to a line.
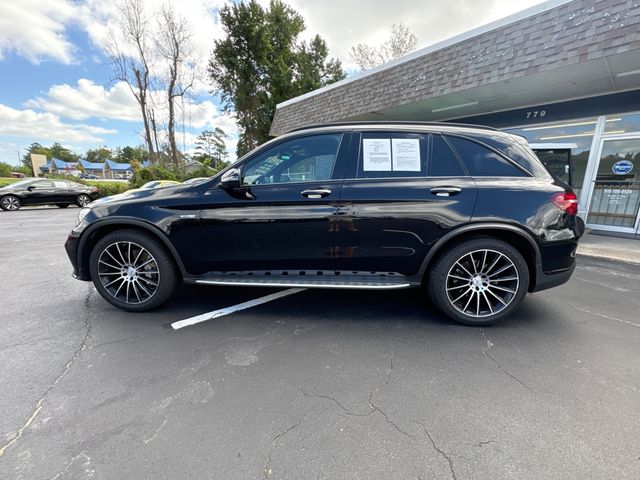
443	162
392	155
483	162
521	154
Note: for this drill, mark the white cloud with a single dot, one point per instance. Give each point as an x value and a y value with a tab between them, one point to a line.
35	29
87	100
39	126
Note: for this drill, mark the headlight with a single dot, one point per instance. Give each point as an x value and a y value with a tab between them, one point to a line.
83	213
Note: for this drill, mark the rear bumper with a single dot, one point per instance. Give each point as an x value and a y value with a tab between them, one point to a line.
553	279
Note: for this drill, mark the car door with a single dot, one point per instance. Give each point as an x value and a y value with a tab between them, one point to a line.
402	192
40	192
282	215
63	192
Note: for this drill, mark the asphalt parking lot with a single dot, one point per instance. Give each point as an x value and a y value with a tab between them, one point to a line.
318	384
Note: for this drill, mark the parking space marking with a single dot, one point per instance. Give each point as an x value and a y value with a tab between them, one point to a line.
234	308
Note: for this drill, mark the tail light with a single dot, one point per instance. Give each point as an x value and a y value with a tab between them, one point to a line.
568	202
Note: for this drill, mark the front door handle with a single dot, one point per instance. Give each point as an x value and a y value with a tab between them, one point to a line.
445	191
316	193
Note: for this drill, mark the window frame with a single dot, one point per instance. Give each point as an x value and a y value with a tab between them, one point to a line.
527	174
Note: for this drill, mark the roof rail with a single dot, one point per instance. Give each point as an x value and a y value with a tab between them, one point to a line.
395	122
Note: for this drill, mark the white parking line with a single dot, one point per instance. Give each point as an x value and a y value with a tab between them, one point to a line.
235	308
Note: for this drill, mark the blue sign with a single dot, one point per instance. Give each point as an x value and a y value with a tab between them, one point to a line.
622	167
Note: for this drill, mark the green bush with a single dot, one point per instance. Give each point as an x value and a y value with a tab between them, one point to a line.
5	169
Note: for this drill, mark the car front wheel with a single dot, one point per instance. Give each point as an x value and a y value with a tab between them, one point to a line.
133	270
479	281
10	203
83	200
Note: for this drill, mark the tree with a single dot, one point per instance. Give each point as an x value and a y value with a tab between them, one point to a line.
401	42
131	154
129	52
261	63
211	148
174	44
54	151
98	155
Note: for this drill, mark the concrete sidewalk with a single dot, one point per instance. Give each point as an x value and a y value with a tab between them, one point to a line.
612	248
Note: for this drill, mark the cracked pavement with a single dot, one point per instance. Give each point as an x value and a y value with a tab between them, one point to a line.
326	385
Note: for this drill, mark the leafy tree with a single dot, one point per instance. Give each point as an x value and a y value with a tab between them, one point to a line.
156	172
261	63
5	169
211	148
98	155
128	154
401	42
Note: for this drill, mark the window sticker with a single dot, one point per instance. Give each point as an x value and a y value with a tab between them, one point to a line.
376	153
406	154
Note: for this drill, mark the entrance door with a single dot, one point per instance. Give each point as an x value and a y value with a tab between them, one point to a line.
615	195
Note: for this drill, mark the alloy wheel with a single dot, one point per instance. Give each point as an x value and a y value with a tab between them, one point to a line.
83	200
10	203
482	283
128	272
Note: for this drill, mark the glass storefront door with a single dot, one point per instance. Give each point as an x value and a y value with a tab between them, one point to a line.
615	194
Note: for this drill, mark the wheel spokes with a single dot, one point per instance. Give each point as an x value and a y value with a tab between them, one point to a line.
489	289
122	277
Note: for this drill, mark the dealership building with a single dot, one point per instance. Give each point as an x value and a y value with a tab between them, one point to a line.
563	74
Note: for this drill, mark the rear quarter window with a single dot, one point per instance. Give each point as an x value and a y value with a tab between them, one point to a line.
481	161
519	153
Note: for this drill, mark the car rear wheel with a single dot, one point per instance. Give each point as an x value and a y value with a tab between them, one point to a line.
133	270
10	203
479	281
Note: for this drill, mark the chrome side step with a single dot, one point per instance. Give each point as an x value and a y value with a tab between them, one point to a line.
305	283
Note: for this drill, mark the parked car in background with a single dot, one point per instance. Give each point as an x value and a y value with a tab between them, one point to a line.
17	174
36	191
191	181
469	214
159	184
88	176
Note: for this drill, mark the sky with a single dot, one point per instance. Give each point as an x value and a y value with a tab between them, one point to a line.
56	81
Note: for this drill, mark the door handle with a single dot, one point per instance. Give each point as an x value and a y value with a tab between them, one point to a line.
316	193
445	191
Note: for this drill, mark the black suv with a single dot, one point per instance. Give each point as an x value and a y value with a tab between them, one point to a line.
467	213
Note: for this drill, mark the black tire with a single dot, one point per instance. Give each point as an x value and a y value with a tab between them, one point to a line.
10	203
82	200
477	288
62	205
110	256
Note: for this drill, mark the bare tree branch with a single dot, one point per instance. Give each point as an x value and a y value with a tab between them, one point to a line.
400	42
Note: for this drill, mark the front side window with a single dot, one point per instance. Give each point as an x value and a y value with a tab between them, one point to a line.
305	159
42	185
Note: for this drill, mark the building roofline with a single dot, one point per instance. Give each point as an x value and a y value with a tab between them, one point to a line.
502	22
393	123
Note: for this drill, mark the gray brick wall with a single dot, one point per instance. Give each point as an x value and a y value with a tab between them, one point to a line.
572	33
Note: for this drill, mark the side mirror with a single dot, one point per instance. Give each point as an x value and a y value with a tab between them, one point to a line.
231	179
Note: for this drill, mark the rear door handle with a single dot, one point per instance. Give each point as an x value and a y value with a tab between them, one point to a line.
445	191
316	193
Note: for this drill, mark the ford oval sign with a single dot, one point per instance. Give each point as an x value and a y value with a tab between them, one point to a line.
622	167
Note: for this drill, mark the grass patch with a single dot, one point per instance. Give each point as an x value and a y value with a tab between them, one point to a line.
8	180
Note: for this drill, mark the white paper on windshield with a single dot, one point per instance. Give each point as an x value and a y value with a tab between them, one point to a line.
406	154
376	153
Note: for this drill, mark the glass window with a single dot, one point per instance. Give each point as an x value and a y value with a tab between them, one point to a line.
392	155
61	184
626	123
304	159
482	162
43	184
443	162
